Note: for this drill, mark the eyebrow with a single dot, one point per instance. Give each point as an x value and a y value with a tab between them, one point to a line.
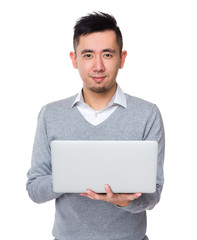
104	50
87	51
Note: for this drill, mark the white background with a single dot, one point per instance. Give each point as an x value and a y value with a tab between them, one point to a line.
36	38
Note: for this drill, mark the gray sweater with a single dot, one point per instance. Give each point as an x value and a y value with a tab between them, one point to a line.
78	217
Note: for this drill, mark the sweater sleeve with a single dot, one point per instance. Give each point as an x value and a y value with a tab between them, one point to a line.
39	184
154	130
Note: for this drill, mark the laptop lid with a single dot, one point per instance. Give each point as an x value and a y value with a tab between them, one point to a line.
127	166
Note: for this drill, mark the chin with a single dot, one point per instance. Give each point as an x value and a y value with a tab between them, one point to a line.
98	89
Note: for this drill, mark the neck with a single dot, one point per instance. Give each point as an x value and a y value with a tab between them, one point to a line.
98	101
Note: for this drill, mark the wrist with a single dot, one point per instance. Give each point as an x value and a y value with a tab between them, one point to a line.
123	204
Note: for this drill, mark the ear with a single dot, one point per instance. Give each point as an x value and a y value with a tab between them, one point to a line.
74	59
122	58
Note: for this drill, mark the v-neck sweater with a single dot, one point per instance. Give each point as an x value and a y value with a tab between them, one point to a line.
78	217
96	117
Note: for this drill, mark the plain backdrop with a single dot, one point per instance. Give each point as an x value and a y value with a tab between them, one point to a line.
35	69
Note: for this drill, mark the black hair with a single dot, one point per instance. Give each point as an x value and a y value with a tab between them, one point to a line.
96	22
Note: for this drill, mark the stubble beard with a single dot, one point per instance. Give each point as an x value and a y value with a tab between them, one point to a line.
98	89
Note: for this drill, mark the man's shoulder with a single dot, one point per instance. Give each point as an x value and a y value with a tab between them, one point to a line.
137	102
57	108
140	108
59	104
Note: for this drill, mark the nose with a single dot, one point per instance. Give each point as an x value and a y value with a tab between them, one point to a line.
98	64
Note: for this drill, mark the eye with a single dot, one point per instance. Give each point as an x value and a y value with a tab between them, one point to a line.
88	56
108	55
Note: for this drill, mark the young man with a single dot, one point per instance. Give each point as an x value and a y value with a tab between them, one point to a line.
101	111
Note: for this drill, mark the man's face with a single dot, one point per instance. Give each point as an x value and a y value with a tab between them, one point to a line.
98	60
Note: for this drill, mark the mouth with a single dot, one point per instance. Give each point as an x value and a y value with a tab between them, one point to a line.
98	79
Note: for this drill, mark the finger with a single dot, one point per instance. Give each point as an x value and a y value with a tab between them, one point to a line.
88	193
108	190
133	196
137	195
91	194
85	195
94	195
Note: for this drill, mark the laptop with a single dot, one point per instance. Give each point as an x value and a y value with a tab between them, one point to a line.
127	166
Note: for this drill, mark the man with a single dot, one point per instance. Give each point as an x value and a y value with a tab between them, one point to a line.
100	112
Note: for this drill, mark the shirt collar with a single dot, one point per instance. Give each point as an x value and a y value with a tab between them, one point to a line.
118	98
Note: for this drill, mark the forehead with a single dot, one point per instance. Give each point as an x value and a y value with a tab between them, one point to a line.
98	41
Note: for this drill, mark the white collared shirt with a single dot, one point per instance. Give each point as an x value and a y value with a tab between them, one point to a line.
97	117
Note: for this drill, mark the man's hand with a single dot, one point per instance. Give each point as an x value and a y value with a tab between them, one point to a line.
120	199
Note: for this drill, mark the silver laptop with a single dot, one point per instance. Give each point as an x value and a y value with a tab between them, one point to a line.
127	166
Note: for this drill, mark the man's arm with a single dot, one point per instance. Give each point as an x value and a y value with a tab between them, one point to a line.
138	202
154	130
39	184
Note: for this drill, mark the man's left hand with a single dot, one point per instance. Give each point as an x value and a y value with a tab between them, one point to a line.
119	199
